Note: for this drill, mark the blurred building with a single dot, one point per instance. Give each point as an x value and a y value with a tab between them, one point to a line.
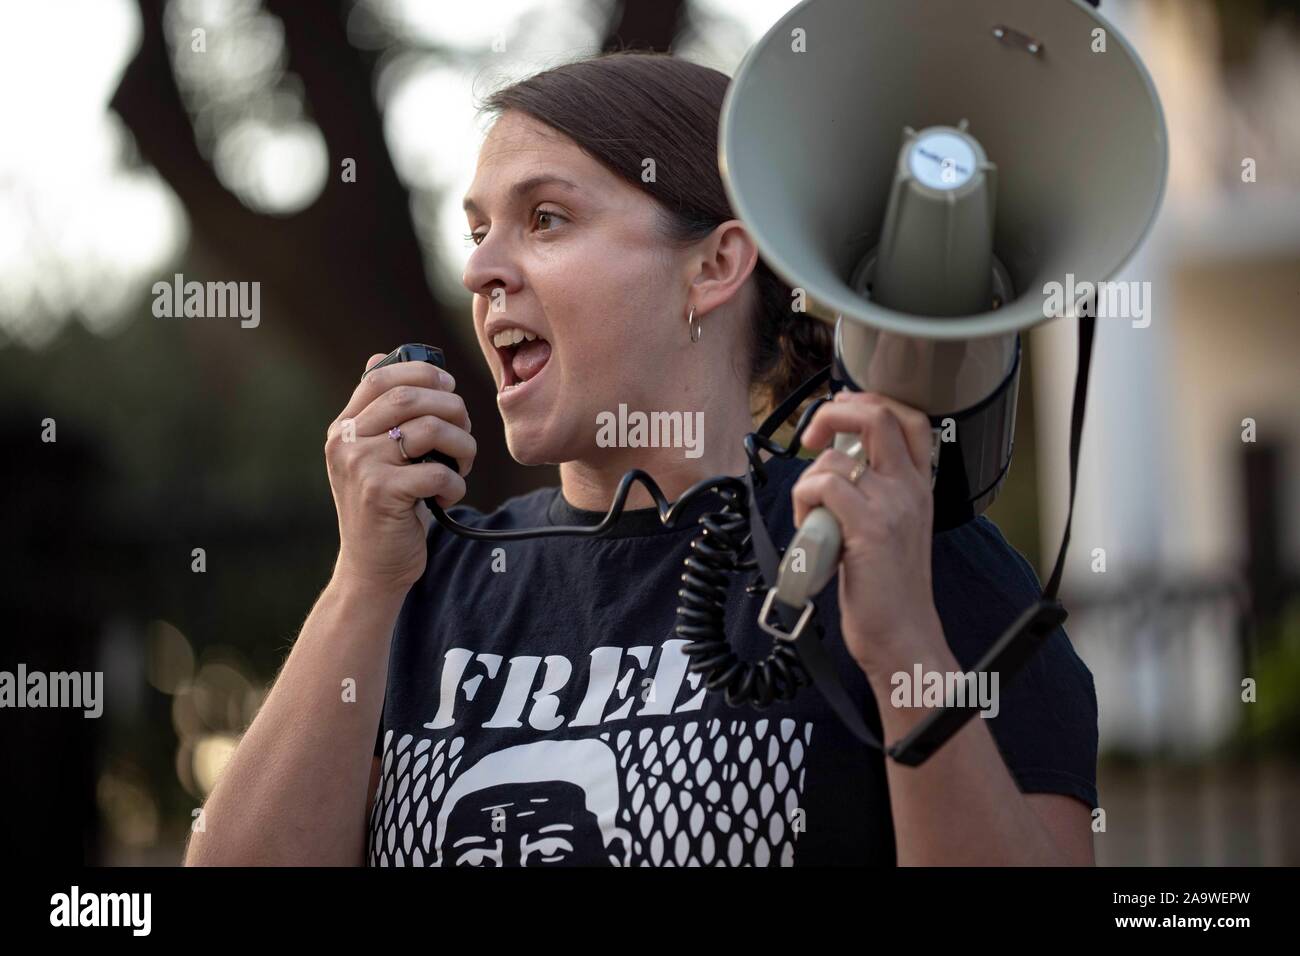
1188	470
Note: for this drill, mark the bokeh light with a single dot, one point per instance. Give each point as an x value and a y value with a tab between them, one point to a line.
82	227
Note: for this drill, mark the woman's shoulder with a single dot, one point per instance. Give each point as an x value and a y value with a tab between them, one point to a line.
982	585
1047	725
980	576
978	550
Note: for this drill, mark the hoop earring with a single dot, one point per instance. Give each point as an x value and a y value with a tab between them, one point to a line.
694	324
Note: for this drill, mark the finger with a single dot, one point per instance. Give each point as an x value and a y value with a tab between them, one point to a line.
834	461
841	463
831	490
373	384
419	480
402	403
915	424
430	433
879	429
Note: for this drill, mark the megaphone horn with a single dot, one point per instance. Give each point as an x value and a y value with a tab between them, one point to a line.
922	170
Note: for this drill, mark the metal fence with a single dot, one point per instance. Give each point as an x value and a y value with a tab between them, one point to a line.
1182	779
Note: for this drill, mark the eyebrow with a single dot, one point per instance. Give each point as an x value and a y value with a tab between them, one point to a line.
523	187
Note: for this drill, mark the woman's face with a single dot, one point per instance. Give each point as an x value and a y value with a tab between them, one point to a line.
569	253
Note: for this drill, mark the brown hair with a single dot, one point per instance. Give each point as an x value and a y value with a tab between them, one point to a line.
624	107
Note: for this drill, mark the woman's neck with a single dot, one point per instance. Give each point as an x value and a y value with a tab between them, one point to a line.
590	483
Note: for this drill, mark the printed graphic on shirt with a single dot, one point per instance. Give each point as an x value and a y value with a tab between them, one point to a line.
692	790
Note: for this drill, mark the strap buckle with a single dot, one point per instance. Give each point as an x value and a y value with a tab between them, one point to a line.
775	629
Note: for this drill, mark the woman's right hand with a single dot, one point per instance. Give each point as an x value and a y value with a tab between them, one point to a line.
377	493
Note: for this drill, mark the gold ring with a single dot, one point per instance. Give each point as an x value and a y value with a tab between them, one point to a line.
858	471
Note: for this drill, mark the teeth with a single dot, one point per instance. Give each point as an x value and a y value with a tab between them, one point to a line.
508	337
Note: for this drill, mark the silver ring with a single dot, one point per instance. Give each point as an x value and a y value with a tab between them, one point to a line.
395	433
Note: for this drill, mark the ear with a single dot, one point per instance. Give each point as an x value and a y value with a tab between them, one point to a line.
721	263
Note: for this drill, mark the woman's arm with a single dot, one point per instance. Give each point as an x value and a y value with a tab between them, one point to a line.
961	806
294	791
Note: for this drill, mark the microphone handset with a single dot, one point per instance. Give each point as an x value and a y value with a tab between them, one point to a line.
415	352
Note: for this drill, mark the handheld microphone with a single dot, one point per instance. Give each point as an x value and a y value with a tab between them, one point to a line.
417	352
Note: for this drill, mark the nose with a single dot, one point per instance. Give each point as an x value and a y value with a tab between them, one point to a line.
491	267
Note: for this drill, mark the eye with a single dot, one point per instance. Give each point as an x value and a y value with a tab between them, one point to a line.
480	857
552	849
474	237
548	216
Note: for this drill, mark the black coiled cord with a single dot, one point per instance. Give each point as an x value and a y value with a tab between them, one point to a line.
721	550
717	553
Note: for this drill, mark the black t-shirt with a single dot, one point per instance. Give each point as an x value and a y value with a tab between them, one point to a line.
539	712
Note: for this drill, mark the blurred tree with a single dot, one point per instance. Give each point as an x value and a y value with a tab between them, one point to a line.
651	26
348	270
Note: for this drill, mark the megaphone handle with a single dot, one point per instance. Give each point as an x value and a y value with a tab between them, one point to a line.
814	553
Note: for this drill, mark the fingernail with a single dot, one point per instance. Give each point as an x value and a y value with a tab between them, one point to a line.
447	380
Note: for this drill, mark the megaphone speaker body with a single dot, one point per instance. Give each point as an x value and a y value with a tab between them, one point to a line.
921	171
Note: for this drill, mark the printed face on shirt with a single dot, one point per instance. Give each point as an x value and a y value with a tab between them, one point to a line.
534	805
515	825
700	792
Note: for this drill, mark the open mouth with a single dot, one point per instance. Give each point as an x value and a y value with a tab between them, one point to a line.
523	356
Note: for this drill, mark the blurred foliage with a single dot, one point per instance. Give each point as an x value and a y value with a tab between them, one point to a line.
211	436
1273	721
188	434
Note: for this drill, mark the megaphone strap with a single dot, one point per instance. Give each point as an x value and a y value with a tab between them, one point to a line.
807	641
1087	330
1019	642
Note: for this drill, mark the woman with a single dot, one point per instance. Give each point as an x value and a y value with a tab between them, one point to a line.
536	707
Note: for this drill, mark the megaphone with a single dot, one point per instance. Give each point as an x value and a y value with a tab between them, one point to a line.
923	171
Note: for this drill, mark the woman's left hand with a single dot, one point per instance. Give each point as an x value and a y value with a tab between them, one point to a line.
887	609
